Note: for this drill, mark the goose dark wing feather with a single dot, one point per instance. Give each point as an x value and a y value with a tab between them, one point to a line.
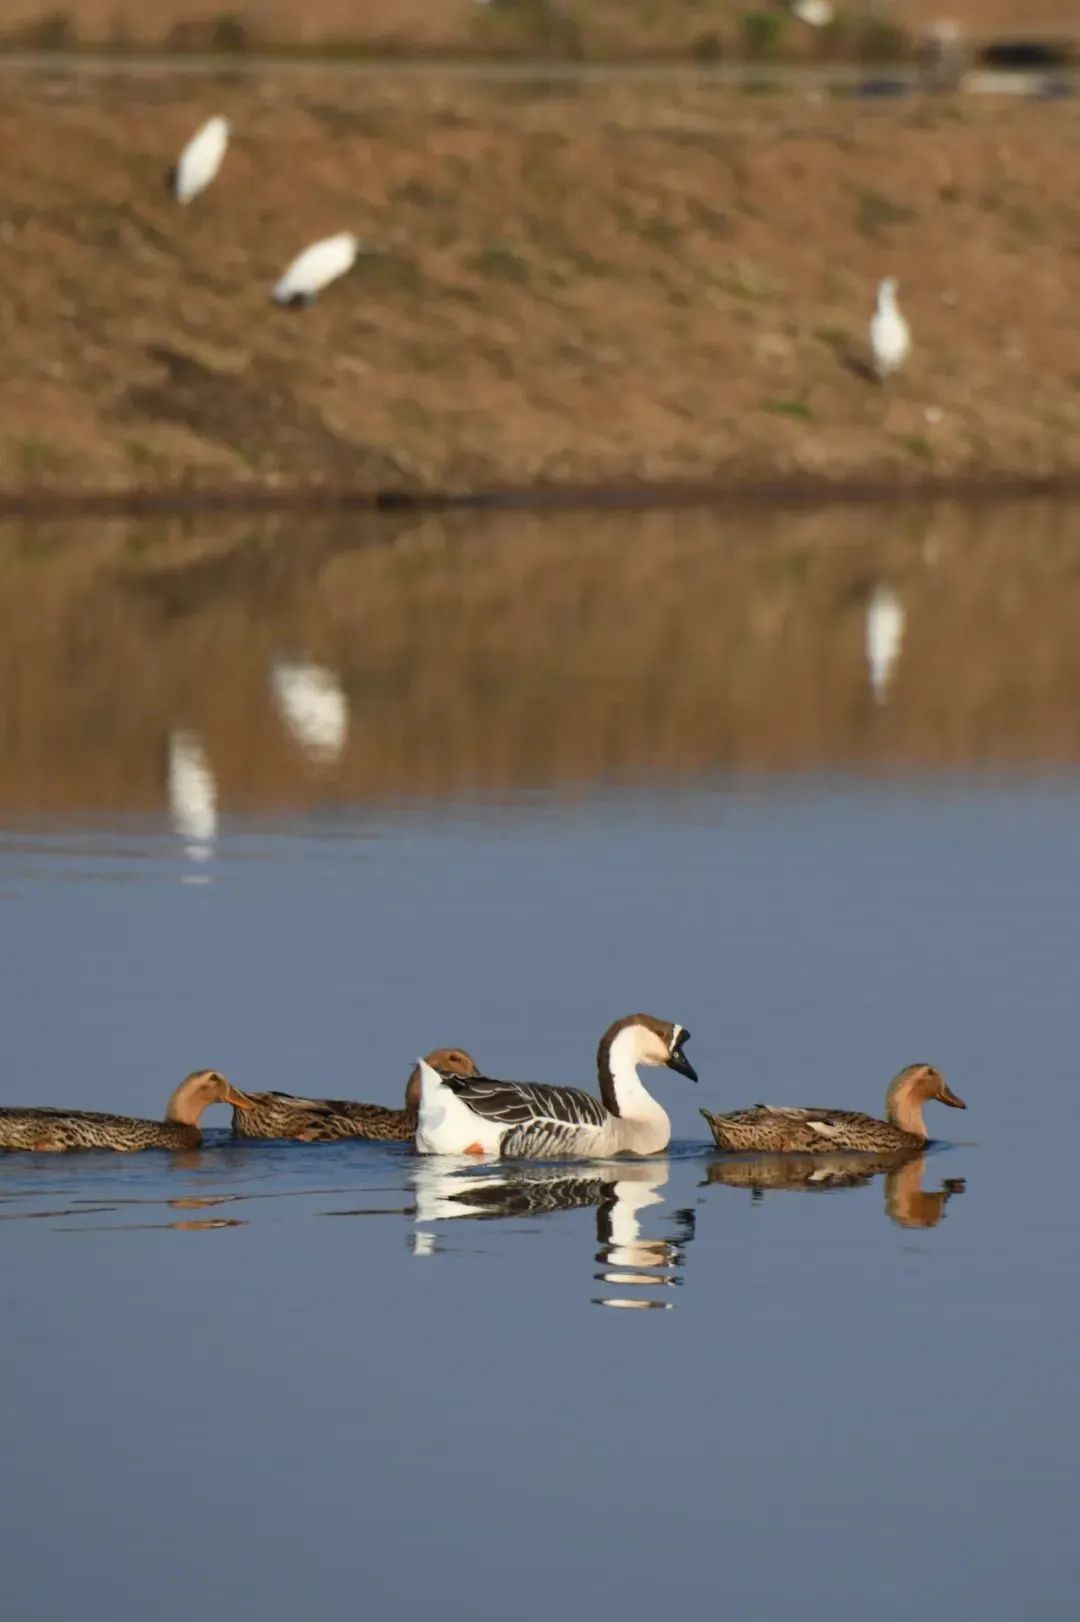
515	1103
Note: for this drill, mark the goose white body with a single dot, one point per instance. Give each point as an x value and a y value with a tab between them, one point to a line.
890	336
200	160
316	268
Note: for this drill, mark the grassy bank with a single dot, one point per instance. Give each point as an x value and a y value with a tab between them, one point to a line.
599	283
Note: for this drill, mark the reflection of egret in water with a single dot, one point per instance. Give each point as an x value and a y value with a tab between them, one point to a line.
907	1203
885	619
313	706
192	798
618	1190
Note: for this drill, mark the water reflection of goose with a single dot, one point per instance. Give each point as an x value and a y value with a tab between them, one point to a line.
885	618
313	706
192	794
907	1203
619	1192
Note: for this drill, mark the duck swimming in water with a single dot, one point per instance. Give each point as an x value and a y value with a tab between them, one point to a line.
776	1129
56	1130
327	1120
459	1115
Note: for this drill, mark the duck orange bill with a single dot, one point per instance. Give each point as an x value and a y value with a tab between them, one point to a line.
237	1099
947	1096
678	1060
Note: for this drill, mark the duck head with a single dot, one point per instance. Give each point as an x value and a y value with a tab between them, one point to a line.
923	1082
916	1085
448	1062
198	1091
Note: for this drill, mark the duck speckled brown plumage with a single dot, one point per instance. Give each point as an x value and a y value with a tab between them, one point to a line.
327	1120
818	1131
56	1130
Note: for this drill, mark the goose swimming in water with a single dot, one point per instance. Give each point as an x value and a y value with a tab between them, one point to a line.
460	1115
55	1130
328	1120
773	1128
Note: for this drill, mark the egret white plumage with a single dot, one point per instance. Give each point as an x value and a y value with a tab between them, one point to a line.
817	13
200	160
890	337
885	619
316	268
313	706
192	795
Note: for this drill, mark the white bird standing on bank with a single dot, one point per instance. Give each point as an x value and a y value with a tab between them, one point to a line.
890	338
316	268
200	160
817	13
885	618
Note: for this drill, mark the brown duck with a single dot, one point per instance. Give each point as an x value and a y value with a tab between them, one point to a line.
326	1120
55	1130
774	1129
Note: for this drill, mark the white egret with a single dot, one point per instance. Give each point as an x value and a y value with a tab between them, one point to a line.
890	338
200	160
817	13
316	268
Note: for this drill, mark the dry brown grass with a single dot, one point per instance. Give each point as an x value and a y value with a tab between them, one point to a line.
494	655
602	283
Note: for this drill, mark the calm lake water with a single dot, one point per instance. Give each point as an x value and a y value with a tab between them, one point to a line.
301	805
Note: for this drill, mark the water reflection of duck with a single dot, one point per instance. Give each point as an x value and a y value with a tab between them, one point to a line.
327	1120
56	1130
527	1119
907	1203
776	1129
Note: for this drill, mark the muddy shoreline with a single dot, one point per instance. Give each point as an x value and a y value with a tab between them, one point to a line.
972	489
